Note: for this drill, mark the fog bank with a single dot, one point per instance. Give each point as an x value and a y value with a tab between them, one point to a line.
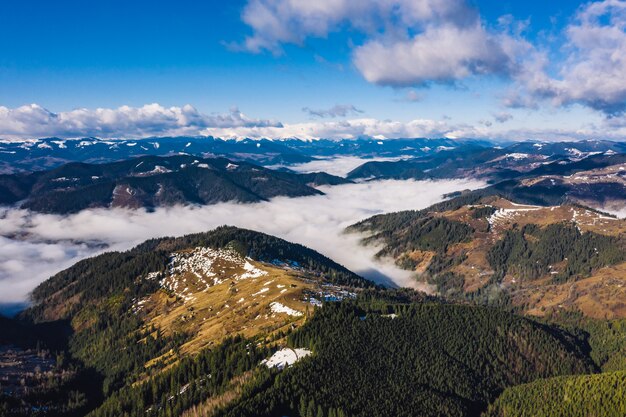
36	246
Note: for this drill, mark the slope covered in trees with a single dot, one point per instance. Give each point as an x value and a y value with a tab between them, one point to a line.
571	396
529	252
410	360
581	395
153	181
186	384
491	250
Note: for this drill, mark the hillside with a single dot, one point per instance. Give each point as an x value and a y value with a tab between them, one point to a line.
238	323
592	178
577	396
439	359
487	249
464	161
151	182
130	316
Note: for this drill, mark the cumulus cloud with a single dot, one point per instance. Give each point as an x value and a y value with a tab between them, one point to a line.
35	246
594	72
406	42
339	110
32	121
440	54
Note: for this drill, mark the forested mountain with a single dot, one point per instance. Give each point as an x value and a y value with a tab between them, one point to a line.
573	396
484	248
152	181
592	178
129	316
463	161
410	360
238	323
495	163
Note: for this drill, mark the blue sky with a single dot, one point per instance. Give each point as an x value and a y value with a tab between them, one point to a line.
67	55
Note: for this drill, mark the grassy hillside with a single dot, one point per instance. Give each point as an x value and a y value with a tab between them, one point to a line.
491	250
132	314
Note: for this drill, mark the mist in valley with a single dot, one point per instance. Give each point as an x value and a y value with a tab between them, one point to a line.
36	246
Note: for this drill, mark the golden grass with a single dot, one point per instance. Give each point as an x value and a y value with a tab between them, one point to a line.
602	296
229	308
213	404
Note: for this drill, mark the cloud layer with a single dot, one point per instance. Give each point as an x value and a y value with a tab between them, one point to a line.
32	121
35	246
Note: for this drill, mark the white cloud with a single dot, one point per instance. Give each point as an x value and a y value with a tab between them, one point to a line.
35	246
29	122
351	129
33	121
444	53
406	42
594	72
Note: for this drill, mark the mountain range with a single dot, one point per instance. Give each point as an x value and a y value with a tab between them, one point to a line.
237	323
591	172
152	181
522	314
47	153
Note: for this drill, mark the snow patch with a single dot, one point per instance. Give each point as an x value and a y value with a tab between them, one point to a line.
281	308
285	357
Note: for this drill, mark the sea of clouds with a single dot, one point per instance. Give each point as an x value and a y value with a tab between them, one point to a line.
36	246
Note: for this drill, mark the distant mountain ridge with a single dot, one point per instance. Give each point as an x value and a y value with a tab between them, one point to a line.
49	153
594	178
153	181
496	163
